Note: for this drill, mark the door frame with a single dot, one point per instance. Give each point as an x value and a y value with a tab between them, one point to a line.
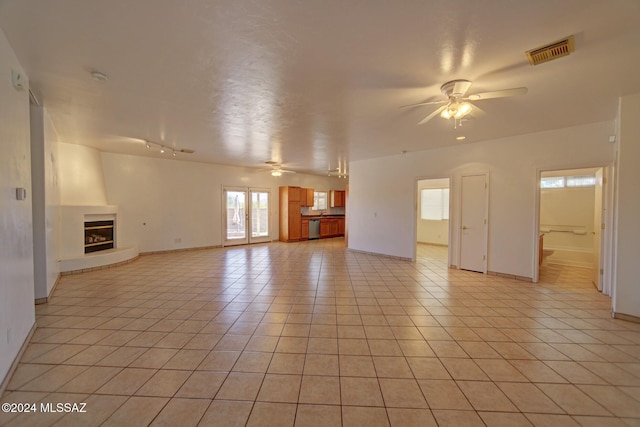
606	238
485	236
248	207
416	213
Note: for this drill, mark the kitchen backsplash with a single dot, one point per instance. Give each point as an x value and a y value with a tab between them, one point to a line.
330	211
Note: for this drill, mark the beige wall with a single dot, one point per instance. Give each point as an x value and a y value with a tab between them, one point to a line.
168	204
382	206
17	313
626	297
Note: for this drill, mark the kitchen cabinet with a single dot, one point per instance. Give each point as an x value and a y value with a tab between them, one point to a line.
331	227
337	198
325	228
333	223
304	229
290	219
306	197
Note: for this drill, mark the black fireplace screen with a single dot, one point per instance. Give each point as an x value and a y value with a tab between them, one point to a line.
98	236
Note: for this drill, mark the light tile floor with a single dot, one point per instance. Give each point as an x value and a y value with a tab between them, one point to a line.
310	334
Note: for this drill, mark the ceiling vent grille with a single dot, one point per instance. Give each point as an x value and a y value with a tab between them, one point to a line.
551	51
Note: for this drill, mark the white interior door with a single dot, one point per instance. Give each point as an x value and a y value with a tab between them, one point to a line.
597	232
473	222
246	215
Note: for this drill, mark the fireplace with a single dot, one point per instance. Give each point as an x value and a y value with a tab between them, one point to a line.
98	236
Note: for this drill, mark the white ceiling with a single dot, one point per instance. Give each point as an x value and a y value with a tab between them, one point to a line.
311	83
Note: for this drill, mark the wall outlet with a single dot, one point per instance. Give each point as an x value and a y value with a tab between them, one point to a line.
177	240
9	336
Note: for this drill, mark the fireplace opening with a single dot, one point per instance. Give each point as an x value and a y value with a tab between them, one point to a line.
98	236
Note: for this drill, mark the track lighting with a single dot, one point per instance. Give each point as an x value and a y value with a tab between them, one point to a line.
164	148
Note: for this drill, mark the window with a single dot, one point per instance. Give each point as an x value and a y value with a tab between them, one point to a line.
434	204
581	181
319	201
552	182
568	181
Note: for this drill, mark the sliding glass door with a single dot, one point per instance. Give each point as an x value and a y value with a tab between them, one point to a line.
246	215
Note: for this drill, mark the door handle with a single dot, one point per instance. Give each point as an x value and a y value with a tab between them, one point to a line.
464	227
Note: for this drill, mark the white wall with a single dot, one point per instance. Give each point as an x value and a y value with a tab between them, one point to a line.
428	231
168	204
46	201
382	206
81	178
17	314
626	299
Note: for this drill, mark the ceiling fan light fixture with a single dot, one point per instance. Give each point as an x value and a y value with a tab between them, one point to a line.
456	109
276	173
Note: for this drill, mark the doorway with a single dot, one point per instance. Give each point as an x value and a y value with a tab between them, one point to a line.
432	220
571	224
246	215
474	213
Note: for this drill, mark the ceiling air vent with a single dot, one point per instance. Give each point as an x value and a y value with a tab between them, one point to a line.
551	51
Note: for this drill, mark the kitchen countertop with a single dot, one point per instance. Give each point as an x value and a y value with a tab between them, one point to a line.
323	216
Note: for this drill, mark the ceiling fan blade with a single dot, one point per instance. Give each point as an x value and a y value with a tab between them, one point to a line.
477	112
424	103
432	115
498	94
460	87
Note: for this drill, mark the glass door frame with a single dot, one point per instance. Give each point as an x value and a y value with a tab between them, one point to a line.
246	217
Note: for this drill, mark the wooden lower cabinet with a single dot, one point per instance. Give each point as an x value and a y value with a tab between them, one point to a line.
333	223
331	227
325	228
304	229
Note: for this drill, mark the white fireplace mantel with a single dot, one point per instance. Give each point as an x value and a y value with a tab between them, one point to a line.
72	256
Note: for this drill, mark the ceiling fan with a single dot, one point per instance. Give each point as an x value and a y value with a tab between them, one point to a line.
276	169
457	105
340	173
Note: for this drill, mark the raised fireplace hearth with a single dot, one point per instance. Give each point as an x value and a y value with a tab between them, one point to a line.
98	236
90	238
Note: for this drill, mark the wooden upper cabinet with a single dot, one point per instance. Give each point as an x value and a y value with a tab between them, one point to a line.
306	197
294	194
337	198
309	197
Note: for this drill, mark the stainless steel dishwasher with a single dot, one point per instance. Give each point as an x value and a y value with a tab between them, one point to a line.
314	228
